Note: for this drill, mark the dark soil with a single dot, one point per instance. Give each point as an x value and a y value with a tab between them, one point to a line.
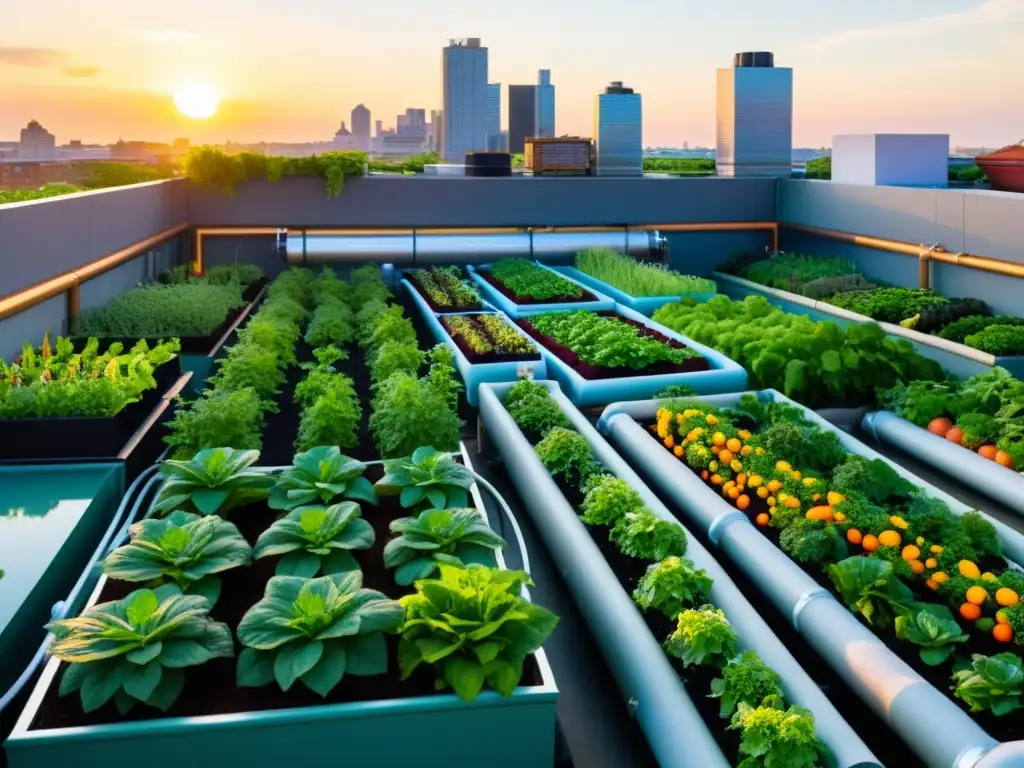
211	690
527	300
494	356
452	307
1004	728
592	372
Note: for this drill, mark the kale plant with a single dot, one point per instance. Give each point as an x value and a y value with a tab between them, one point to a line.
993	683
316	540
745	680
454	536
671	586
318	476
182	548
134	650
775	737
473	625
316	631
934	629
567	453
703	636
643	535
608	499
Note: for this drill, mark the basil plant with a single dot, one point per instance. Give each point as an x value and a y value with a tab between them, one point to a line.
316	540
474	627
426	478
135	650
319	476
454	536
182	548
316	631
214	481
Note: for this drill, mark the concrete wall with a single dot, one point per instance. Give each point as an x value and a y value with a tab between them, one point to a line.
981	222
43	238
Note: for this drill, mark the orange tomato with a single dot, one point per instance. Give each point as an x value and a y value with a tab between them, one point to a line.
743	501
910	552
724	455
917	566
955	435
940	426
1003	633
716	479
976	595
762	519
670	441
940	577
1004	459
970	611
889	539
733	445
930	562
870	543
931	584
854	536
1006	597
733	493
678	451
704	475
988	452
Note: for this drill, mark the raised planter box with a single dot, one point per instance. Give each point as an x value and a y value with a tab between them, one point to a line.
387	732
674	729
1004	485
931	724
475	374
51	519
82	437
723	374
958	359
512	309
645	305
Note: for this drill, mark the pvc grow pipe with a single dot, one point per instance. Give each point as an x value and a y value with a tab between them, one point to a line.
655	694
965	466
935	728
847	748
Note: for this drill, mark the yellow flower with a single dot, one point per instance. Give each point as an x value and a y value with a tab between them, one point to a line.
899	522
783	466
711	419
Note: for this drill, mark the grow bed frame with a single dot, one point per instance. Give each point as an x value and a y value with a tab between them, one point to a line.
645	305
592	299
368	730
723	374
933	725
413	281
475	374
675	730
966	466
958	359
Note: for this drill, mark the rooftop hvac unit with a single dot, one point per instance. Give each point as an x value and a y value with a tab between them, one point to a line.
754	59
488	164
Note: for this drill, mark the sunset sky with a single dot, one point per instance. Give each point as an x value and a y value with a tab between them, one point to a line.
291	70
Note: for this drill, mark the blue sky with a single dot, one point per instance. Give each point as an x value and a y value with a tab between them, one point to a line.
293	69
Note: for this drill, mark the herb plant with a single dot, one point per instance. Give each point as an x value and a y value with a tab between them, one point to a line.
214	481
316	631
316	540
409	412
427	477
134	650
533	409
998	340
441	375
775	737
333	323
435	536
248	365
333	416
745	680
474	627
194	308
567	453
608	499
703	637
183	549
217	416
637	278
672	585
318	476
393	356
524	278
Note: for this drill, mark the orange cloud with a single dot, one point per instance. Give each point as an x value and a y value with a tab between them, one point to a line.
81	71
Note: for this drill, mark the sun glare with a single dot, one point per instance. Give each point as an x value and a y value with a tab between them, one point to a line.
197	100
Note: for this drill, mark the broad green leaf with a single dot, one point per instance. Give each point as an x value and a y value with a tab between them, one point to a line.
411	496
504	676
74	674
146	653
142	681
362	489
300	563
140	605
464	676
167	692
294	660
436	498
98	689
414	570
208	500
367	654
338	561
184	653
329	670
255	668
208	588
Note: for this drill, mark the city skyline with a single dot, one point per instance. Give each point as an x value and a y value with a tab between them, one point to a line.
85	77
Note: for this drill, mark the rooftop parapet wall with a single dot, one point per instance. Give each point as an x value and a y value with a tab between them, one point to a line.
423	201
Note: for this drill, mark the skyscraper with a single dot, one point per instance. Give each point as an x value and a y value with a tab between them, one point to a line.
755	117
521	119
361	127
618	131
494	117
464	87
544	106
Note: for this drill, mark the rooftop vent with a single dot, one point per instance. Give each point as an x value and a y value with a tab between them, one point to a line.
754	59
616	86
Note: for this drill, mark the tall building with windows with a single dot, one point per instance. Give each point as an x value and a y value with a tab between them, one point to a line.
464	88
494	141
544	106
618	131
36	143
755	117
361	127
521	116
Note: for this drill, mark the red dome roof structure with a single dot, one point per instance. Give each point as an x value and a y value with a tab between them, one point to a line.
1004	167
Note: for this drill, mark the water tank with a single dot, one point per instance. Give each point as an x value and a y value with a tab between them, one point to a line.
754	59
488	164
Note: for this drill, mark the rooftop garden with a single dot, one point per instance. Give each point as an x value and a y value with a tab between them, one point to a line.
101	176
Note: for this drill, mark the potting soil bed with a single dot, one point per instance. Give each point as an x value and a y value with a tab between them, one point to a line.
477	358
594	372
499	286
413	276
211	689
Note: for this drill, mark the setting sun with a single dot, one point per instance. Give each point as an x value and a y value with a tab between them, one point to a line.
197	100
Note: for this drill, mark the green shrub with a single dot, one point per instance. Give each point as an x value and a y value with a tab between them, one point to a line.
388	325
277	335
409	413
393	356
643	535
218	417
824	287
243	274
184	309
608	499
333	418
333	323
637	278
747	680
533	409
247	365
889	305
296	283
442	375
703	637
999	340
567	453
672	585
790	271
